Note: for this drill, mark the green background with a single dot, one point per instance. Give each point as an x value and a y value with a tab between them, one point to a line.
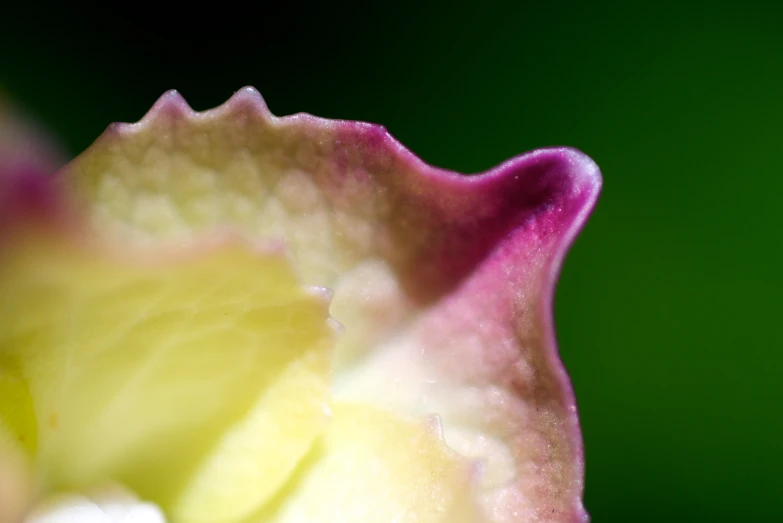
668	307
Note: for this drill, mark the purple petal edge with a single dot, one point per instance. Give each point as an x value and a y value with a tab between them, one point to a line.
594	182
376	147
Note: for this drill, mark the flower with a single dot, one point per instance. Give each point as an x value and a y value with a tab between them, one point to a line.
166	325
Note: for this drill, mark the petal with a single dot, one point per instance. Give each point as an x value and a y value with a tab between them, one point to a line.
25	146
144	366
25	151
485	355
444	282
18	430
255	458
372	466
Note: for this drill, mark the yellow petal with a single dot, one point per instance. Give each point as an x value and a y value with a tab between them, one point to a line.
256	456
372	466
17	419
138	364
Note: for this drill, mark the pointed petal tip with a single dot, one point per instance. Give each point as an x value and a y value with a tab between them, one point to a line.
247	98
562	178
170	102
249	93
586	174
585	180
579	169
172	105
173	96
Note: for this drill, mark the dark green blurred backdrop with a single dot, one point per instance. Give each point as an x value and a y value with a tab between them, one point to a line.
668	306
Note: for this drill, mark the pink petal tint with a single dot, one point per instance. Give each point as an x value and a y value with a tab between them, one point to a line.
444	282
27	154
24	146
